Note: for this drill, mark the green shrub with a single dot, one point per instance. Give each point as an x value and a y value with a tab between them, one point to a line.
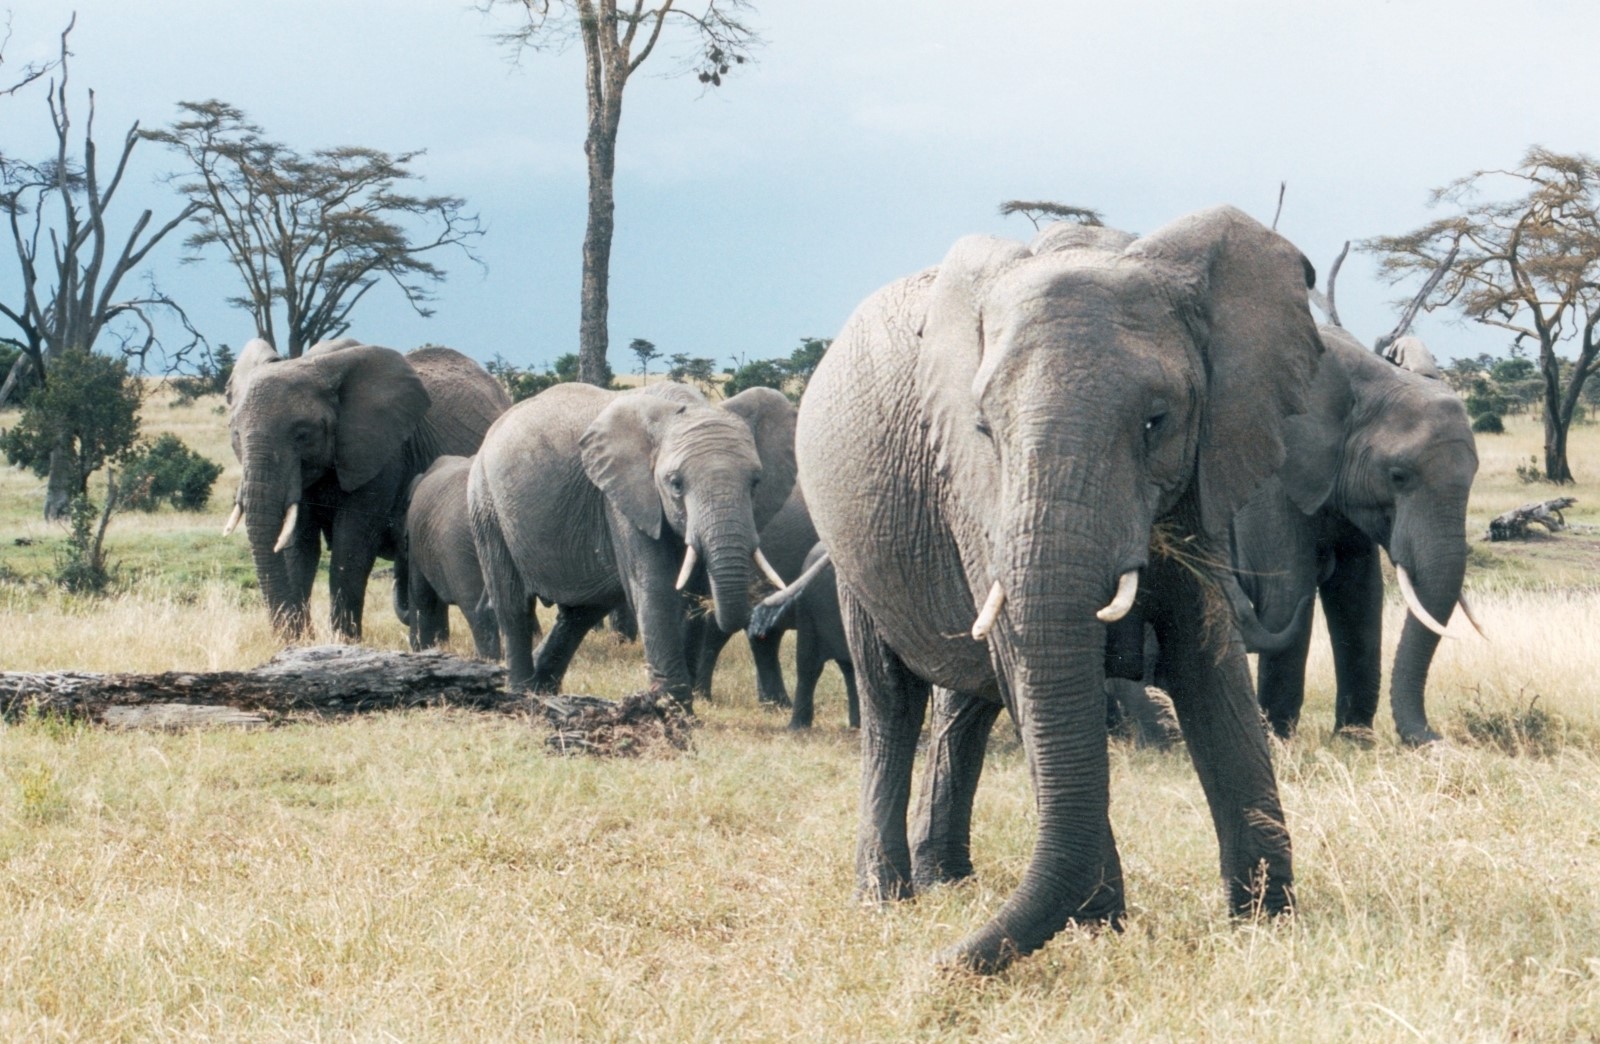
168	471
1488	424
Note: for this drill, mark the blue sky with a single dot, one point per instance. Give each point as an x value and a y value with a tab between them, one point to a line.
868	137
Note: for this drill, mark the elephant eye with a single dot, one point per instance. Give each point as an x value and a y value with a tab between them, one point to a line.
1154	423
1400	478
675	483
982	426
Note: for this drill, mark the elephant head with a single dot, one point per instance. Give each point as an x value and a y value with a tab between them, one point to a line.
344	414
1067	400
1392	452
711	475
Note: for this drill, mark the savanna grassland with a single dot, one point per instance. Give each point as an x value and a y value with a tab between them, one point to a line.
436	876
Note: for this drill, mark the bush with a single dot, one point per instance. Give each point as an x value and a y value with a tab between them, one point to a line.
167	470
10	351
757	373
89	405
1488	424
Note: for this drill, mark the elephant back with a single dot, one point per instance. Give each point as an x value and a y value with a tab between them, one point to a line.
466	399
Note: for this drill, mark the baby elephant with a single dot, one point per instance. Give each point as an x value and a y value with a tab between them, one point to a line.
438	565
811	606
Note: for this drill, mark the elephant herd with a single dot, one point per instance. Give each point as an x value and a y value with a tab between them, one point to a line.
1008	471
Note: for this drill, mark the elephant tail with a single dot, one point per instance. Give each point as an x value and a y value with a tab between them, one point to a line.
776	610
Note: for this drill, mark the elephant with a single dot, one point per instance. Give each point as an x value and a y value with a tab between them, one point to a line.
1383	458
1005	453
589	499
785	541
437	566
329	443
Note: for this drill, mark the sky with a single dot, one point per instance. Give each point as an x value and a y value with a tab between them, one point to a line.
868	136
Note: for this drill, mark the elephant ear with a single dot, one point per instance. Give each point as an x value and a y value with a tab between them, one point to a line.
381	401
771	418
953	340
256	353
1247	288
619	456
1314	441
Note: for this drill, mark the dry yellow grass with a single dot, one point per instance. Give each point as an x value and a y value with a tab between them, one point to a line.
436	876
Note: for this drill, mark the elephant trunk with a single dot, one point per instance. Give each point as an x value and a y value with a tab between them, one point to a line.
1432	550
730	563
266	503
1049	645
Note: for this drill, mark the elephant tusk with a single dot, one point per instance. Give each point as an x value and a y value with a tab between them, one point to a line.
1466	610
286	534
1415	604
989	613
689	560
233	520
769	572
1127	591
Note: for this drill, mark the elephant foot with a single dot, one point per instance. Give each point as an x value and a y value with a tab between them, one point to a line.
1357	735
1265	896
1422	737
988	951
767	699
938	876
885	886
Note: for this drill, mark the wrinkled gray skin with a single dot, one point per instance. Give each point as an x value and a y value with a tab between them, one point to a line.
785	542
342	431
1025	416
438	565
587	499
1383	458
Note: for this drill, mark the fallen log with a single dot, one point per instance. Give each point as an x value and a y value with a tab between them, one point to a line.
331	681
1513	525
321	680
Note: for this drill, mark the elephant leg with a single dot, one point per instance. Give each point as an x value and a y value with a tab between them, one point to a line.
853	702
430	617
485	632
550	660
942	849
1222	727
807	669
1352	602
769	672
705	652
895	704
1283	684
357	534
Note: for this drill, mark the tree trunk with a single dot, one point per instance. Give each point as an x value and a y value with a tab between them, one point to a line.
1556	468
64	483
607	73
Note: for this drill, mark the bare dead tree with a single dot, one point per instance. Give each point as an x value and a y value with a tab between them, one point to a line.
1408	314
310	234
1325	302
1038	211
1283	187
617	39
1528	263
71	267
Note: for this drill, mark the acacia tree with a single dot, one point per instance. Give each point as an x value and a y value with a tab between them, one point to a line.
71	264
617	40
1529	262
310	233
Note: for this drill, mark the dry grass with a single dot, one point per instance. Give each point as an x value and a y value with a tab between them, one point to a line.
437	876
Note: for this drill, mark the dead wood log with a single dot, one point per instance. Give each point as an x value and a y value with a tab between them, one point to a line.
1513	525
319	681
328	681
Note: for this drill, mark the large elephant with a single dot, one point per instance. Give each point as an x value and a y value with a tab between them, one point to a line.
437	566
590	499
785	541
988	450
1383	458
329	443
